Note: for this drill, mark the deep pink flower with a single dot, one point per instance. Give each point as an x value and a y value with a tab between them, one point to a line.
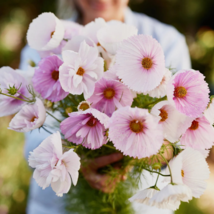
86	127
188	92
46	79
135	132
109	95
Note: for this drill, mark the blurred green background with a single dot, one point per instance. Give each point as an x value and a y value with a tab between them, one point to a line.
193	18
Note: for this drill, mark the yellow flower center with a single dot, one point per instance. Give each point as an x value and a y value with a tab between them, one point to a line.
98	44
52	33
109	93
194	125
33	119
180	92
92	122
80	71
147	63
136	126
84	106
182	173
163	114
55	75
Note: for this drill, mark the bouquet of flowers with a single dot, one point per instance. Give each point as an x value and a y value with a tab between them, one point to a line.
109	91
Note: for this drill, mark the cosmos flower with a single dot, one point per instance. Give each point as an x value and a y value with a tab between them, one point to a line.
45	32
86	127
84	105
31	116
109	95
135	132
140	63
53	167
171	196
174	123
46	79
188	92
190	168
81	70
12	83
199	135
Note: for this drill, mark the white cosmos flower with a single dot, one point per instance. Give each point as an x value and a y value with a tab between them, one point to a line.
209	112
45	32
191	169
171	196
111	35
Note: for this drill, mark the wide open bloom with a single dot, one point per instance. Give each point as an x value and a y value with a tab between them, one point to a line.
160	90
174	123
81	70
53	167
86	127
109	95
31	116
199	135
171	196
9	78
140	63
45	32
190	168
113	33
188	92
135	132
209	112
46	79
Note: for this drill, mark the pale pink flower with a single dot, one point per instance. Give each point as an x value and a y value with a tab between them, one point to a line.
31	116
190	168
81	70
199	135
135	132
110	95
11	78
160	90
171	196
45	32
188	92
174	123
140	63
53	167
209	112
46	79
86	127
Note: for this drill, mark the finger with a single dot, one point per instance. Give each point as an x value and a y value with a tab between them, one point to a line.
106	160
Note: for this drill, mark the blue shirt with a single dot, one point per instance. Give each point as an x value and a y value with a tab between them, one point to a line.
176	56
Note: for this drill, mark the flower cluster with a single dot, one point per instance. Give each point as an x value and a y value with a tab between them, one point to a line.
113	89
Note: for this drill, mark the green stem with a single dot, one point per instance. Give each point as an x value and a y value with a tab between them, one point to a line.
111	147
168	167
46	130
14	97
155	102
156	172
157	178
53	117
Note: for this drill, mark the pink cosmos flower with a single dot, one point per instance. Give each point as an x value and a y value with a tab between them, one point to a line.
46	79
53	167
30	117
190	168
188	92
174	123
135	132
10	78
160	90
109	95
86	127
140	63
45	32
81	70
199	135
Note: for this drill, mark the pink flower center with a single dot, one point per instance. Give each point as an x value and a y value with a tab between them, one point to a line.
84	106
180	92
33	119
163	114
80	71
147	63
109	93
182	173
136	126
55	75
92	122
194	125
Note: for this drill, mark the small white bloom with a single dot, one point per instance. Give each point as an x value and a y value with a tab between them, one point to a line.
84	105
